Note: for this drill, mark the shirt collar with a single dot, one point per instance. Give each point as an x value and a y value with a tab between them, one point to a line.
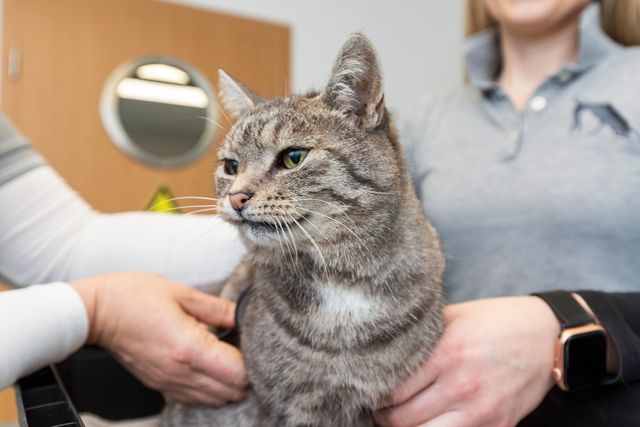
482	51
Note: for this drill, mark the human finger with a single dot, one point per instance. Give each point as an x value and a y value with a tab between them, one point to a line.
425	405
186	377
220	361
216	388
423	377
449	419
209	309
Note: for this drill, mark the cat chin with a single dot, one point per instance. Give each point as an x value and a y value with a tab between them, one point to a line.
259	234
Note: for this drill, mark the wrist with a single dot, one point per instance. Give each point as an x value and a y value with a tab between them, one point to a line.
550	325
581	348
87	289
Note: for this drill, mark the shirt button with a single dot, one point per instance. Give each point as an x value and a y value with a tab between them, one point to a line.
564	76
537	103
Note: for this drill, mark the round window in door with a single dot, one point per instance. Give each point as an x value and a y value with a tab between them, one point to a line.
159	111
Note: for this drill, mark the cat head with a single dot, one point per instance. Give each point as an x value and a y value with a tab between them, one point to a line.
312	171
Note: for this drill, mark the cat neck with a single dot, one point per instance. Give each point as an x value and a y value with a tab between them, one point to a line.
368	263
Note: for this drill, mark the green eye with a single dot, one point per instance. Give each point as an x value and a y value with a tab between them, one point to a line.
231	166
292	158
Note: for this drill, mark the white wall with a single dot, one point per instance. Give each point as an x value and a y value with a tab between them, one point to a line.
419	41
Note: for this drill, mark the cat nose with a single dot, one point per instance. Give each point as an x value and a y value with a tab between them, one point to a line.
239	200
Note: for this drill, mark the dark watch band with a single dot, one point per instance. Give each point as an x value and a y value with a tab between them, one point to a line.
568	311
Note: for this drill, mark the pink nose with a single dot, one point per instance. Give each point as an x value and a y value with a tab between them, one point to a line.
239	200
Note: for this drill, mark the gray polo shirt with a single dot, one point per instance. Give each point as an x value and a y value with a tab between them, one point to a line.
541	199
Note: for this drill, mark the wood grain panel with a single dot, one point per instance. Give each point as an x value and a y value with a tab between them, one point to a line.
7	406
69	47
7	400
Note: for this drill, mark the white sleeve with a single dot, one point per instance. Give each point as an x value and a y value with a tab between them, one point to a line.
40	325
48	233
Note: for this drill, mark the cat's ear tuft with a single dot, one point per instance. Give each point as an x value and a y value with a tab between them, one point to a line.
235	97
355	86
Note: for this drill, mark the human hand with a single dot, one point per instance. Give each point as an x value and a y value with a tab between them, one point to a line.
491	367
158	329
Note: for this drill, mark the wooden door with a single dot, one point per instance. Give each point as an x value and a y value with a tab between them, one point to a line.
68	49
7	400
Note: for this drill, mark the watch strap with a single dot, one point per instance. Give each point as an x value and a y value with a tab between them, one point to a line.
568	311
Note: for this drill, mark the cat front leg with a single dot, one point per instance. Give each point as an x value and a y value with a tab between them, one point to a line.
239	281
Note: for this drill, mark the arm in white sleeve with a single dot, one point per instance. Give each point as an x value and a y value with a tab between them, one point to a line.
40	325
49	233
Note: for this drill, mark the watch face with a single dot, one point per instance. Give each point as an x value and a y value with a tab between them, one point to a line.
585	359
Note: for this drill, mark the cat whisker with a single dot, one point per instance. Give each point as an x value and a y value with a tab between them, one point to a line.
154	208
320	234
342	212
290	250
295	199
212	209
178	208
173	199
312	241
197	206
286	241
293	241
209	119
275	219
332	219
291	237
312	224
192	197
361	242
341	207
215	99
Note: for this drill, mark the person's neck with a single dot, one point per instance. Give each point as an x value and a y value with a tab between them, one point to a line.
527	60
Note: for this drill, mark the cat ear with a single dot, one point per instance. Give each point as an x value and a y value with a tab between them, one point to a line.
355	86
235	97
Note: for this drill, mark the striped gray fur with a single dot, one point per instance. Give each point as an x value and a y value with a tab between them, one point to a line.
344	310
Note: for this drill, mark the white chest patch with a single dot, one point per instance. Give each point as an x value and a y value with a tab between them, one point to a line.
340	303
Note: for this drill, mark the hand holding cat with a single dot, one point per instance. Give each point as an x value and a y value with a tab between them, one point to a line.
491	367
159	330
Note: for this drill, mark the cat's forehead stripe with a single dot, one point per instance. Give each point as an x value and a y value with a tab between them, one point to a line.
262	129
273	129
270	132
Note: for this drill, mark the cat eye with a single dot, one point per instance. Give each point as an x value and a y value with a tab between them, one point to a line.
293	157
231	166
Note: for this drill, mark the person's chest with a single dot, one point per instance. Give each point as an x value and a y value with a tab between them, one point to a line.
571	158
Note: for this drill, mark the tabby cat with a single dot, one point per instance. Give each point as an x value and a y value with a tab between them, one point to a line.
344	267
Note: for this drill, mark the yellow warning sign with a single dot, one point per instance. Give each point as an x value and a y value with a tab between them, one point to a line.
163	201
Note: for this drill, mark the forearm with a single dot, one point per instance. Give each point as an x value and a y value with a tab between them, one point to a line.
49	233
196	250
41	324
39	220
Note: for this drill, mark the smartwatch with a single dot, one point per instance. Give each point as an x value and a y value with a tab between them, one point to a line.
581	349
